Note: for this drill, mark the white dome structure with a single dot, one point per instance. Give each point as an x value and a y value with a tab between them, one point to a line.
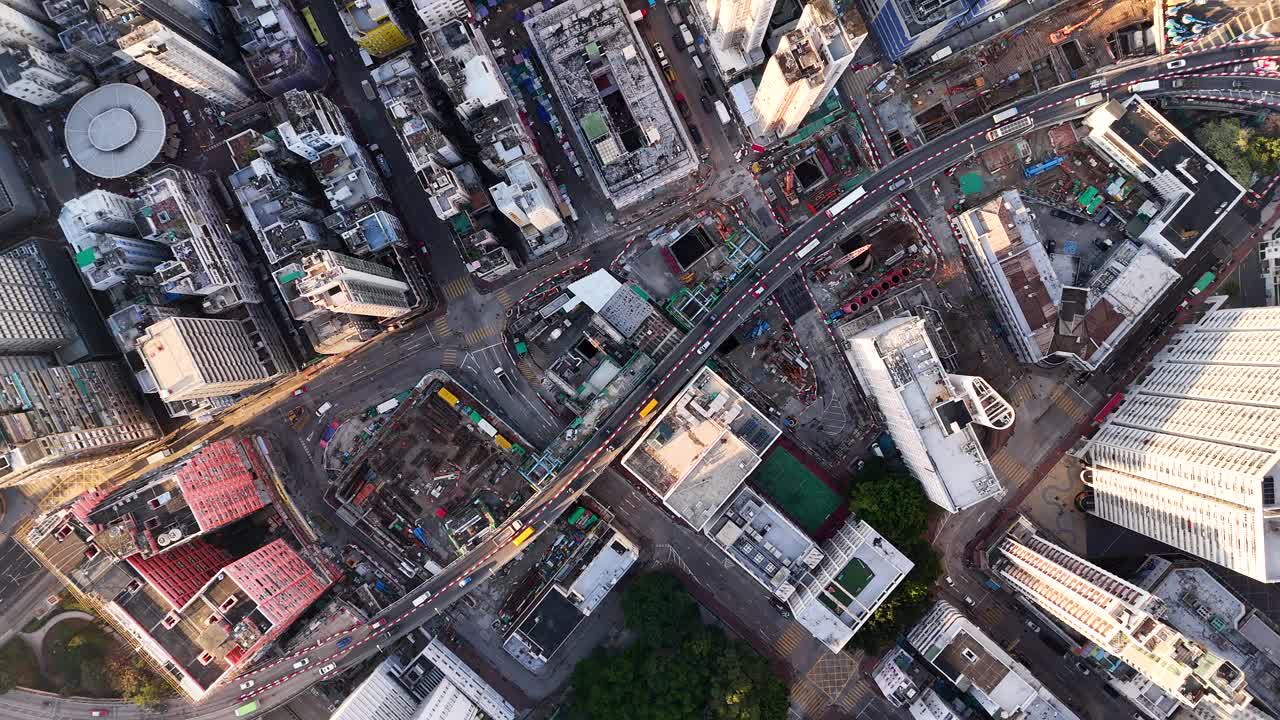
115	130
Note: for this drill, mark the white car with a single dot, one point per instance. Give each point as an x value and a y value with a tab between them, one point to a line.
704	347
1176	64
328	668
247	684
376	625
994	17
302	663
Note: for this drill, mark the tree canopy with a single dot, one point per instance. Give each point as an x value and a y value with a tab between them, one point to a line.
18	666
1242	151
677	668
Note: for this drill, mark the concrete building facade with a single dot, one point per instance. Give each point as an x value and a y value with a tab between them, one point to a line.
192	358
32	316
344	284
40	77
803	70
166	52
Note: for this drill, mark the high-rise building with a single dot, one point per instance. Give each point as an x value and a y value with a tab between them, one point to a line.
33	316
435	14
278	48
309	123
54	419
523	197
49	261
739	24
204	357
178	210
803	70
374	26
40	77
1121	619
345	284
99	227
1190	455
904	27
18	204
168	53
19	30
929	411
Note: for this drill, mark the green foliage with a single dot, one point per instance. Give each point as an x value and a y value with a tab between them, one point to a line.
896	506
678	668
1242	151
18	666
136	682
892	504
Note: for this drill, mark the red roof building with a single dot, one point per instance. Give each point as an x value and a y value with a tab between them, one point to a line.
223	482
278	580
180	573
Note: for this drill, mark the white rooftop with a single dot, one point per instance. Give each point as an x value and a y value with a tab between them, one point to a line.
595	290
114	131
604	571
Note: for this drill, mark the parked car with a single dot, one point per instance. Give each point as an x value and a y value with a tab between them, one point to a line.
247	684
708	107
300	391
683	106
706	345
328	668
1176	64
344	643
383	166
695	133
709	86
302	663
658	52
1084	669
186	115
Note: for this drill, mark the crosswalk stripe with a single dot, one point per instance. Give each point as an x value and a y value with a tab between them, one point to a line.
441	325
504	298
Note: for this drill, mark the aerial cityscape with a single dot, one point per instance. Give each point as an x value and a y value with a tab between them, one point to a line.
640	359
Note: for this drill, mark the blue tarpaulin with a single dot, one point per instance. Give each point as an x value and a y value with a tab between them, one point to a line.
543	115
482	11
417	532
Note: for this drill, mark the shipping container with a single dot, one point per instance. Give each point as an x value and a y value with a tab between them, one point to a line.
487	428
447	396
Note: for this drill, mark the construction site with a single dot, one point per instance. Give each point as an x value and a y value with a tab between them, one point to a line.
441	474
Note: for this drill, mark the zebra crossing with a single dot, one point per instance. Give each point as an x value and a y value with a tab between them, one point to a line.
441	325
1070	402
449	358
527	369
488	332
1009	468
457	288
808	700
504	297
789	640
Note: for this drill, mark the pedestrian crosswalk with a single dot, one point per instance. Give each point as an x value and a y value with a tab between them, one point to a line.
1021	392
1070	402
808	700
481	335
449	358
441	324
504	297
1009	468
789	640
456	288
527	369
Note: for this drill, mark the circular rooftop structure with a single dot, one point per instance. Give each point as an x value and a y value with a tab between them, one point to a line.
115	130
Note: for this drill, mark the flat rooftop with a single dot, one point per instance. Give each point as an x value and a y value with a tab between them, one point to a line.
612	560
867	568
551	623
760	539
701	447
608	85
975	664
1120	293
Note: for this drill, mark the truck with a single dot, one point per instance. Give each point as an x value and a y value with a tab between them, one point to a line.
487	428
1144	86
686	36
1202	284
368	90
638	15
723	112
157	456
366	58
320	411
388	406
676	18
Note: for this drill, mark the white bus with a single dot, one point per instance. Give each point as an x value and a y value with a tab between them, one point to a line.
809	247
848	200
1014	128
1003	115
1091	99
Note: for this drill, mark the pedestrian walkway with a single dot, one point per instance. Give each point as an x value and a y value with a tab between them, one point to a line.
504	297
441	325
449	358
480	335
459	287
1009	468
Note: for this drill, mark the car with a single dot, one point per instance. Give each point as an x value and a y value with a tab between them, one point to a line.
1176	64
969	601
758	290
344	643
1084	669
695	133
49	126
1103	244
328	668
300	391
186	115
652	382
66	161
995	17
247	684
1083	378
177	94
498	372
464	581
374	147
1238	84
1050	245
708	86
658	52
669	74
383	166
950	582
708	107
377	624
683	106
1032	626
98	713
899	184
706	345
302	663
859	464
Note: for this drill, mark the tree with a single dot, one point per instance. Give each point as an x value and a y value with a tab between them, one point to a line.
18	666
892	504
657	608
1228	143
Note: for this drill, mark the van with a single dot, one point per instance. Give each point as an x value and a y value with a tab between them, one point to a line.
320	411
697	61
723	112
366	58
687	37
368	90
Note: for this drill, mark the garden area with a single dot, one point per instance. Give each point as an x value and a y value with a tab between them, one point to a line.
677	667
75	656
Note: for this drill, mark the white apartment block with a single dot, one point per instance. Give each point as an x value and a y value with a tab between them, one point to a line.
1195	194
1121	619
344	284
966	656
738	24
524	198
30	8
803	70
191	358
309	123
41	78
178	210
1190	456
929	412
435	14
99	211
19	30
32	316
166	52
100	229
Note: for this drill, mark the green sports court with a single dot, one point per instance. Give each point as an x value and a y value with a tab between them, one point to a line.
803	496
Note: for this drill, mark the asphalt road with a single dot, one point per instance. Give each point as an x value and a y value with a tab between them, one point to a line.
276	682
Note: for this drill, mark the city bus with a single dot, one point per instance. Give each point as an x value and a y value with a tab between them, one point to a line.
247	709
1003	115
1014	128
523	537
315	29
648	408
846	202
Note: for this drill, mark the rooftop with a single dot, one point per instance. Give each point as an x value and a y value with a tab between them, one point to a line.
701	447
605	80
613	558
1196	192
272	40
763	541
114	131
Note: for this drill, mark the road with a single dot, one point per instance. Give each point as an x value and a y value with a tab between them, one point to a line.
276	682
